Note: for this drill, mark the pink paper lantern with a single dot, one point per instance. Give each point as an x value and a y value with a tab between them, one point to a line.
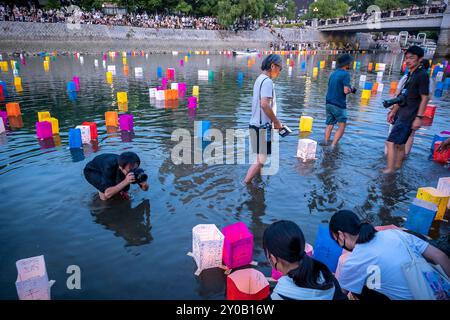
181	62
192	102
44	130
238	245
126	122
164	83
181	89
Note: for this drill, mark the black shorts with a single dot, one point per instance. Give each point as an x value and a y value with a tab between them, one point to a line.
400	132
261	140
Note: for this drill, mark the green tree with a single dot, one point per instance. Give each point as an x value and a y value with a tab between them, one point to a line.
327	9
53	4
388	4
183	7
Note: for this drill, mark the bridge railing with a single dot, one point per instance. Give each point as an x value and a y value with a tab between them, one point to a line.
414	11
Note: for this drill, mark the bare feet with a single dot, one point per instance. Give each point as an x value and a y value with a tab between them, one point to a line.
388	171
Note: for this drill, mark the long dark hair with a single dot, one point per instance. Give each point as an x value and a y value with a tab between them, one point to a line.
285	240
347	221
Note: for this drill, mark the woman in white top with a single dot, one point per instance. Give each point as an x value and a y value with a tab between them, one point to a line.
383	253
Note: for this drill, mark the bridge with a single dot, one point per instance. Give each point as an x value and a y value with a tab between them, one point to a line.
421	19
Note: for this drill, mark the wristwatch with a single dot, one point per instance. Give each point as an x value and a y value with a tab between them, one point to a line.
420	117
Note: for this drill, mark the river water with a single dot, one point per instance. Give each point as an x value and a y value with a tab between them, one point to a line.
137	249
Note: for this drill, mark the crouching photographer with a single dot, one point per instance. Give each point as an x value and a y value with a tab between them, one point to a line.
408	108
112	174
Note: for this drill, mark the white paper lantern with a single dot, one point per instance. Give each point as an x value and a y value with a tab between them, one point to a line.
174	53
306	149
152	92
207	247
2	126
444	186
112	69
207	61
138	71
32	280
85	133
81	60
380	87
174	86
104	64
96	63
381	66
160	95
333	65
362	78
203	73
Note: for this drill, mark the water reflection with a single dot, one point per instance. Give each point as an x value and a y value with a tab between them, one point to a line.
131	224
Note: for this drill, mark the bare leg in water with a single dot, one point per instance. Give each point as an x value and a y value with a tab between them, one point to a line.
328	131
339	133
255	168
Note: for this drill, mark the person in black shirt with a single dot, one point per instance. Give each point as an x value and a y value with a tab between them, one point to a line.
111	174
408	117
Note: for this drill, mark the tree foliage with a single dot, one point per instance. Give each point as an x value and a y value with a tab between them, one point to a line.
328	9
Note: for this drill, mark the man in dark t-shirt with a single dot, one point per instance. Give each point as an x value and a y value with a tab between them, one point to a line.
111	174
408	117
336	100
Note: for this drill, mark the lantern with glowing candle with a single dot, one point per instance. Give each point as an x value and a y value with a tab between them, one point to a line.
247	284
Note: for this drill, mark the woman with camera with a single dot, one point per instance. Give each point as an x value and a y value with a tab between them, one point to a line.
263	117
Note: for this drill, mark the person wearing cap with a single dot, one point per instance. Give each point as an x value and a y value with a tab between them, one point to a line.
336	105
263	117
408	117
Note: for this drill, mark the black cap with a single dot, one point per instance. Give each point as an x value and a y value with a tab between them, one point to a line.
344	60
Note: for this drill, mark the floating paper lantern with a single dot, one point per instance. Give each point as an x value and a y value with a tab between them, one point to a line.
44	129
440	156
42	115
306	149
207	247
55	125
192	102
85	133
238	245
195	91
13	109
444	187
430	110
247	284
435	196
126	122
306	123
326	250
75	140
421	215
76	80
122	97
111	119
93	129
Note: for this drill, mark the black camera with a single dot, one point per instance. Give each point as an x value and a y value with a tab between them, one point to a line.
353	90
139	175
284	131
400	100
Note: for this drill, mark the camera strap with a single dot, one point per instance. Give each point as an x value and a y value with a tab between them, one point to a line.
260	112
